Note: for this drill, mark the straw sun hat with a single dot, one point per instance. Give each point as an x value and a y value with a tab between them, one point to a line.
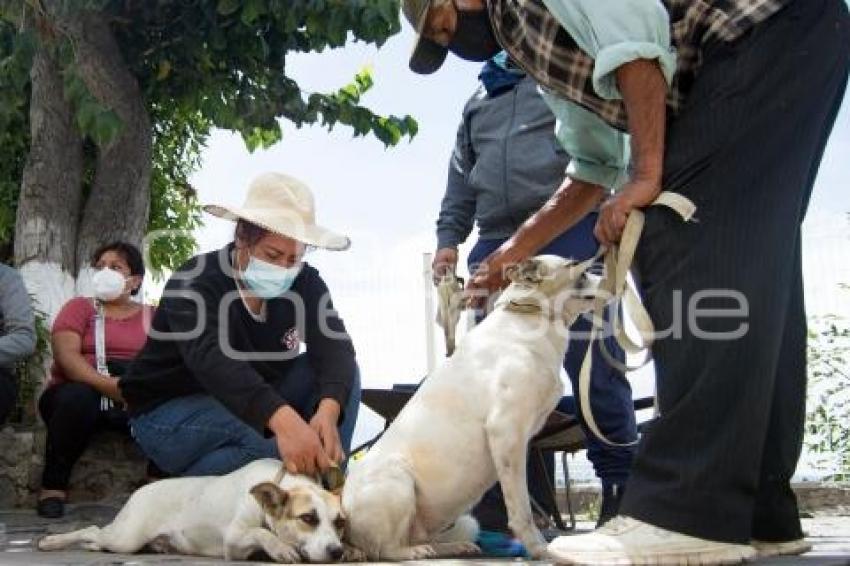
283	205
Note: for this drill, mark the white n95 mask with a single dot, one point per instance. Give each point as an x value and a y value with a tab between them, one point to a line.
108	284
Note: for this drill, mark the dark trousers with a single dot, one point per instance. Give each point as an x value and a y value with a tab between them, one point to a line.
8	393
746	148
72	414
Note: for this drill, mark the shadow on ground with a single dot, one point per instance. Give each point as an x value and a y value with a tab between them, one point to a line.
829	535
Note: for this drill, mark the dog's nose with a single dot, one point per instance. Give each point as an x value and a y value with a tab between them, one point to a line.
335	551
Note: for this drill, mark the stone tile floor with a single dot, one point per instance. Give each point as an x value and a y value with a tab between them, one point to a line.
829	535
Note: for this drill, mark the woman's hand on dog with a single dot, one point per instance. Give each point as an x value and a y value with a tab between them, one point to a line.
299	445
324	422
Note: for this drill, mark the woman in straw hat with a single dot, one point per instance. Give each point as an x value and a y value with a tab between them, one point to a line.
220	381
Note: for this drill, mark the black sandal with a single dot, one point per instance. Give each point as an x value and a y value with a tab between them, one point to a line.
51	507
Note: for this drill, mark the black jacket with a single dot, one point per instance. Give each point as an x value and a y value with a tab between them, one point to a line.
203	339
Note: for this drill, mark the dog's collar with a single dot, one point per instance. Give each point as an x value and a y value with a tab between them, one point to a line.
531	308
517	301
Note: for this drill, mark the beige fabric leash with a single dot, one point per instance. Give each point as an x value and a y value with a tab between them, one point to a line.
614	290
279	475
449	305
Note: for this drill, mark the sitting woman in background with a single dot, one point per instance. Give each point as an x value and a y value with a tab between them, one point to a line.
82	396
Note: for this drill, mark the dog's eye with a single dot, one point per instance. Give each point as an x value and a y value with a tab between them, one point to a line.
339	523
310	519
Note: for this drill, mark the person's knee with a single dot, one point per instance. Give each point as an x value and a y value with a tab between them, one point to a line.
350	413
356	390
219	462
77	402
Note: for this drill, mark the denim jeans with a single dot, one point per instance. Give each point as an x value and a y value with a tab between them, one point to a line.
610	393
196	435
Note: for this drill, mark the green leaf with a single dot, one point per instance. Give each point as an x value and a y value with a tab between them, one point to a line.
388	9
252	10
228	7
412	126
164	70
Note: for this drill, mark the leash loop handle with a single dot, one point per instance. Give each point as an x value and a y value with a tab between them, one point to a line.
615	290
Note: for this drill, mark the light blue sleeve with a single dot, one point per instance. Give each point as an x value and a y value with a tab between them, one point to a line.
600	153
616	32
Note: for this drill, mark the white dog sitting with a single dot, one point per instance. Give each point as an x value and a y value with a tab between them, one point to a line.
229	516
469	425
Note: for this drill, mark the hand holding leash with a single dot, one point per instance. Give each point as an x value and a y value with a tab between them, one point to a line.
445	262
614	212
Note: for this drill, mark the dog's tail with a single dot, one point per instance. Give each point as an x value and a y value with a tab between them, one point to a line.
87	536
464	529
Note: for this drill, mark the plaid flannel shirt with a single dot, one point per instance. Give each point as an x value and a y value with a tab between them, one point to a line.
536	40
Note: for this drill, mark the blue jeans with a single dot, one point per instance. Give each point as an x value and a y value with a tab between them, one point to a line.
196	435
610	392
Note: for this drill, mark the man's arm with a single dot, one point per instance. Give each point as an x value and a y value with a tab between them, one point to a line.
18	339
598	158
616	32
629	41
644	94
573	201
457	210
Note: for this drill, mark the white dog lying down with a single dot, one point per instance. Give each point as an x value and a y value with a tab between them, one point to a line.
469	424
229	516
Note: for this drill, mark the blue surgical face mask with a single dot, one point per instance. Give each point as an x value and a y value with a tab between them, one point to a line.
267	280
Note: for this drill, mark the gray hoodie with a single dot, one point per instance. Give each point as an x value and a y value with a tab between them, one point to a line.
506	163
17	325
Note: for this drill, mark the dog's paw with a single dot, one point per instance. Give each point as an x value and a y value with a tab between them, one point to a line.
534	543
353	554
538	551
421	552
91	546
467	549
46	543
284	554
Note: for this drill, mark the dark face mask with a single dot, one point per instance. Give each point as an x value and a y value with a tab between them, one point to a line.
473	39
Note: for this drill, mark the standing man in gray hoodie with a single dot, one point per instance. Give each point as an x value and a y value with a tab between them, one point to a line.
506	164
17	335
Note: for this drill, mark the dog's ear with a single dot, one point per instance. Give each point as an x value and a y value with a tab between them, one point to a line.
272	498
530	271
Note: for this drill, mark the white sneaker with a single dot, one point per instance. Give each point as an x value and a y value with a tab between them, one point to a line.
626	541
787	548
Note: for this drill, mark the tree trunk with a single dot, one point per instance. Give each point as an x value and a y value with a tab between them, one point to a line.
49	203
117	207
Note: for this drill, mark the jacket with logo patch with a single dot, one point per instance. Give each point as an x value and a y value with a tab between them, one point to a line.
204	340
